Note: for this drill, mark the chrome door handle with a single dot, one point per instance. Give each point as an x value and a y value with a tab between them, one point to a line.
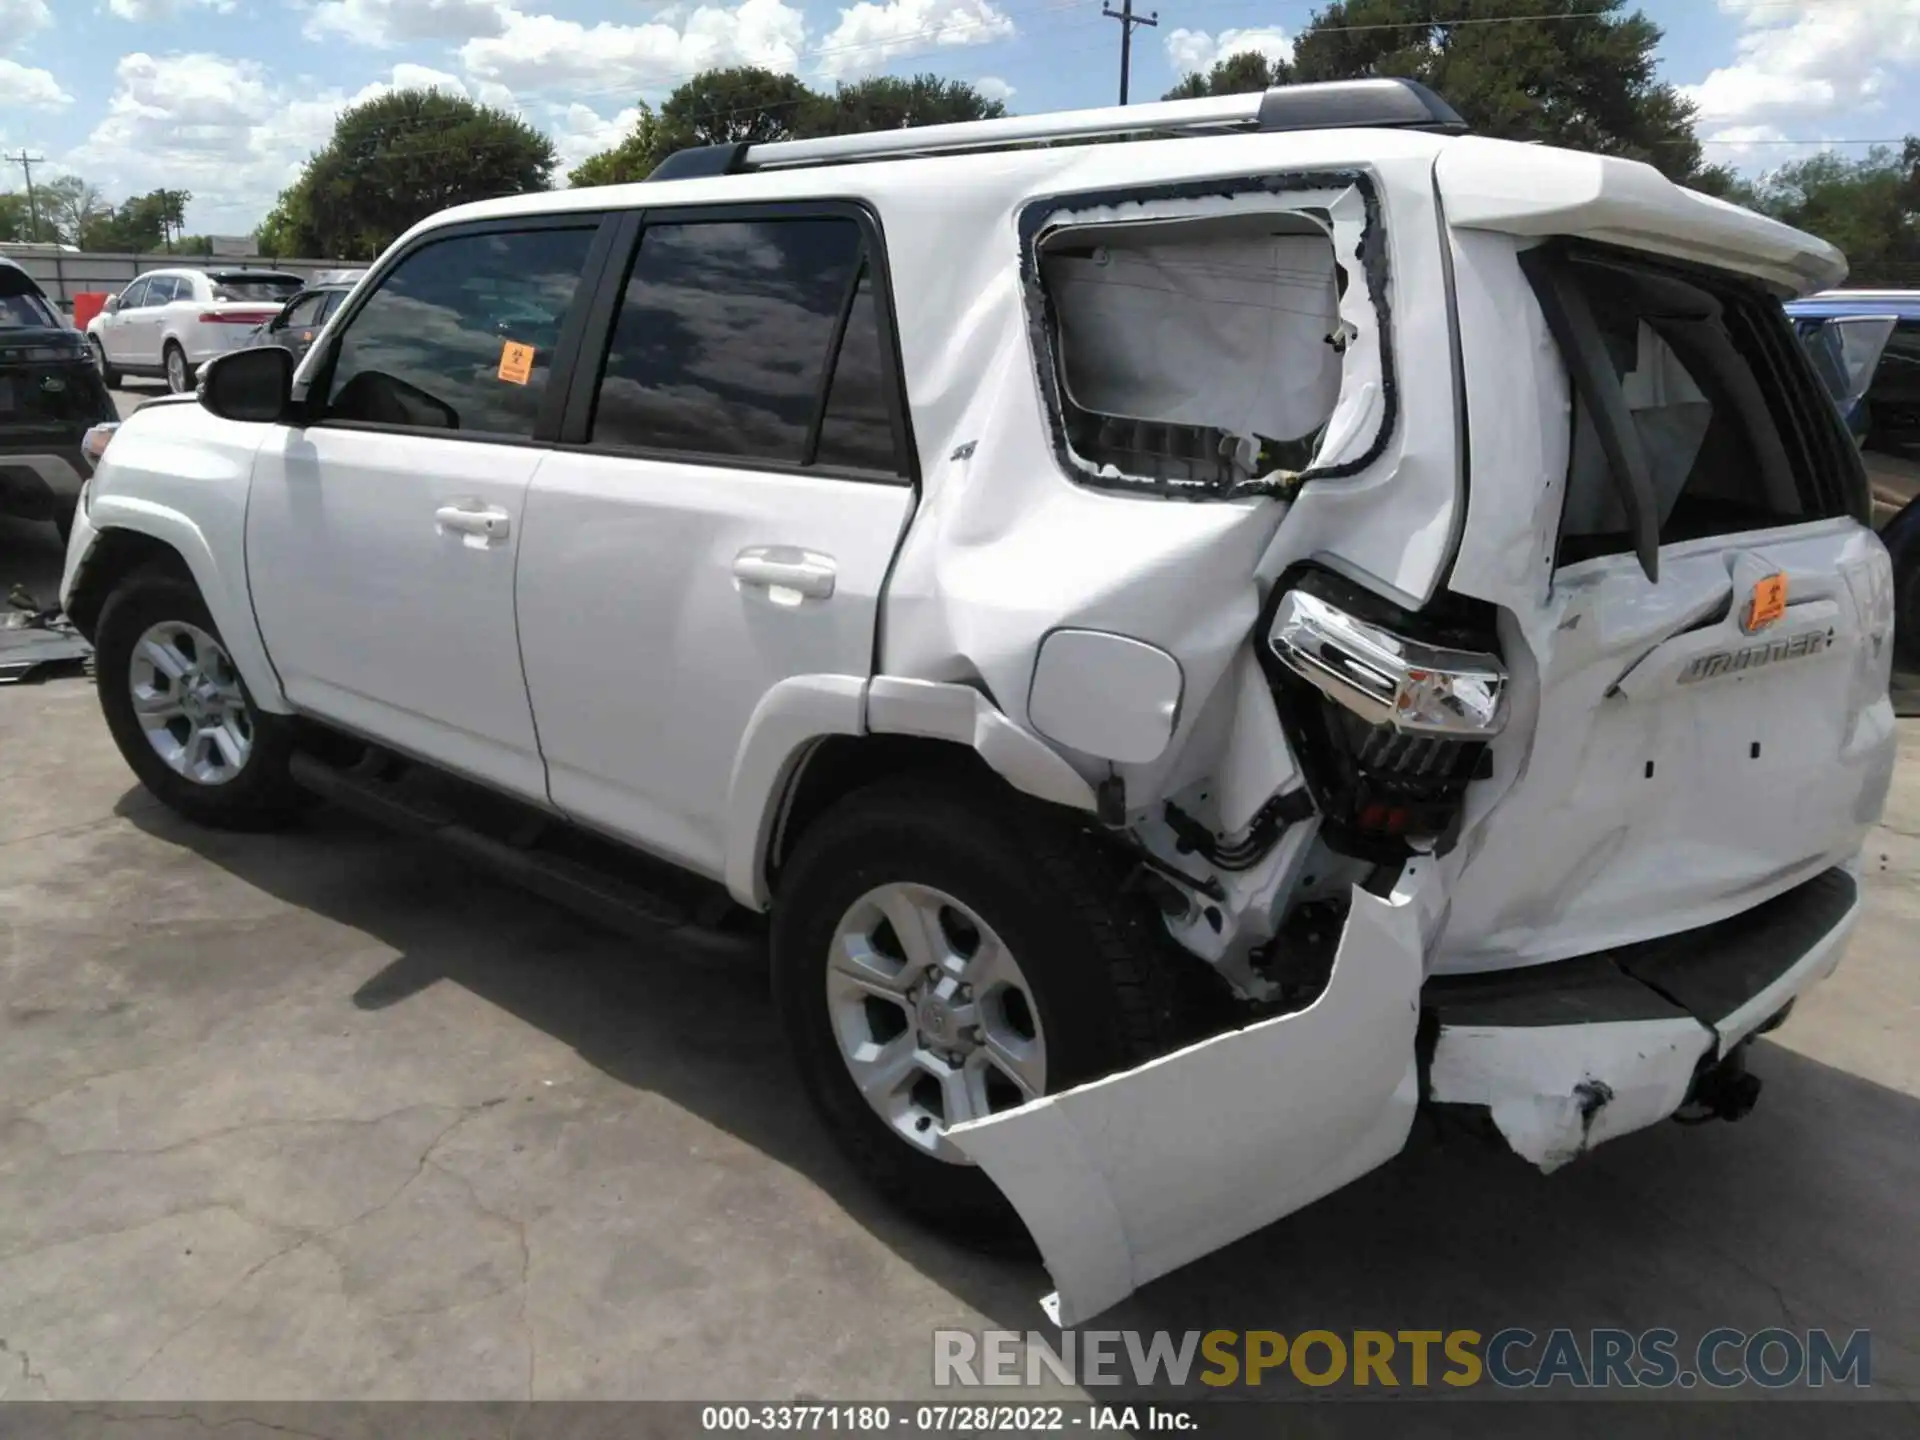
786	567
489	521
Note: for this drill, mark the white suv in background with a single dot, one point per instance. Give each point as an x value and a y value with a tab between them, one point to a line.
171	322
1196	647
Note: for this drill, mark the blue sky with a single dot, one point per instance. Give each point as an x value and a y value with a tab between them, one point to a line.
225	97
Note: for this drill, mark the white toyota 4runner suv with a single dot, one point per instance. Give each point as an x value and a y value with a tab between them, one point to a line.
1199	646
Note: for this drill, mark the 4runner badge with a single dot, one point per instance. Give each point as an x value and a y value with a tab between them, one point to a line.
1766	604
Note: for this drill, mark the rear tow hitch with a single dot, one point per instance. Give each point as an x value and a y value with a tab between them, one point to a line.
1723	1091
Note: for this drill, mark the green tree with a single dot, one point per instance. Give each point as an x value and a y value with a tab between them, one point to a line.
751	105
1245	72
887	102
399	158
1588	82
742	103
1869	207
17	222
645	146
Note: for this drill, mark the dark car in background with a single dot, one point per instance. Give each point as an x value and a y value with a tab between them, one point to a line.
50	396
301	318
1867	343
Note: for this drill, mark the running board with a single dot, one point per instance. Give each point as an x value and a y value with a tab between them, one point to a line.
619	902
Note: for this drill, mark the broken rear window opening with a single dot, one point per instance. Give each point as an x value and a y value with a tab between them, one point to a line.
1215	346
1694	413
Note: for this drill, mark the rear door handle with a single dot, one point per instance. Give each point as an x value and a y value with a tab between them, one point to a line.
786	567
486	520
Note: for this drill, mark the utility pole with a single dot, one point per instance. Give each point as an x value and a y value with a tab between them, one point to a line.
26	163
1127	20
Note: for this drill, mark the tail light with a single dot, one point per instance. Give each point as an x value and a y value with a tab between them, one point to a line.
236	317
1390	725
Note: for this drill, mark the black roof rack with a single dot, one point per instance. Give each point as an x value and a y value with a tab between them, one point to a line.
1327	105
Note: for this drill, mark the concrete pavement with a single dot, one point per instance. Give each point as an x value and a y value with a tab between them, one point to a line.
325	1114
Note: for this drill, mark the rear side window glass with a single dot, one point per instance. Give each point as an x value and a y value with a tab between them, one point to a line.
461	334
1893	399
856	429
727	340
161	291
1721	403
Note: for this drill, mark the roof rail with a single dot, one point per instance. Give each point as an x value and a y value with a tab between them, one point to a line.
1333	104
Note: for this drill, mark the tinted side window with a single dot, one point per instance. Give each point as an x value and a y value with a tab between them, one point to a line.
443	342
1893	400
724	337
305	312
857	429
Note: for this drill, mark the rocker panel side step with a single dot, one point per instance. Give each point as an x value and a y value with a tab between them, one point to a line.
610	900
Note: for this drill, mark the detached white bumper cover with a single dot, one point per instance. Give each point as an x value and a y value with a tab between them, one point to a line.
1127	1178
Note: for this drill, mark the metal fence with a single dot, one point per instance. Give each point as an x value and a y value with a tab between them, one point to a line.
66	273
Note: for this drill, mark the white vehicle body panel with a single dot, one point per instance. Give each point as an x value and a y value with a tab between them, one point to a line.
1127	1178
612	653
647	652
381	616
184	482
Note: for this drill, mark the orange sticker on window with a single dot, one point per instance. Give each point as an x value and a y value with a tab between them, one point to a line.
1766	605
516	362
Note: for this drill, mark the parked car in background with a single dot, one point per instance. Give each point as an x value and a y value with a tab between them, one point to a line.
1872	359
349	278
301	318
171	322
50	395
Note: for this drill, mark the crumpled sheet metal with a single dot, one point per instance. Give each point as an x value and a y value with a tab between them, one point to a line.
1556	1091
1127	1178
32	644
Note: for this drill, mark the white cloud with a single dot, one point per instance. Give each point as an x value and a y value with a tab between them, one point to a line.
381	23
994	88
17	17
220	128
1806	69
579	131
1191	50
870	35
26	88
147	11
544	52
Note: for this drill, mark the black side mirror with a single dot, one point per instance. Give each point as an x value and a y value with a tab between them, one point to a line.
253	385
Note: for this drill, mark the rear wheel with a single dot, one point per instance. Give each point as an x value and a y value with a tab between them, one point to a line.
109	376
179	372
180	713
940	956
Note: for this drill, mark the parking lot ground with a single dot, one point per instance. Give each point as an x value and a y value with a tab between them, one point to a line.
325	1115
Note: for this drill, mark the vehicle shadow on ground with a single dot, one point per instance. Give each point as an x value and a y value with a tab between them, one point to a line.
1799	1216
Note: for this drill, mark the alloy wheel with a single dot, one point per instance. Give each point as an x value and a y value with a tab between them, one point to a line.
935	1020
187	697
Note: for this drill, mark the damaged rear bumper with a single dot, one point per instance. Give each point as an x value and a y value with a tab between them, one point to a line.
1127	1178
1566	1055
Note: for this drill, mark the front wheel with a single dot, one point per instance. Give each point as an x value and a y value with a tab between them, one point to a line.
180	713
944	954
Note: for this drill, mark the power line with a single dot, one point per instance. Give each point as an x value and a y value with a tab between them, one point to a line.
1128	22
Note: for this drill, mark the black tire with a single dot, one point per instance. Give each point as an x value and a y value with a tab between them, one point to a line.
262	796
109	376
167	354
1099	963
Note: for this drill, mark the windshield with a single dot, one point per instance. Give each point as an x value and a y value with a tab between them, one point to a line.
23	311
274	288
